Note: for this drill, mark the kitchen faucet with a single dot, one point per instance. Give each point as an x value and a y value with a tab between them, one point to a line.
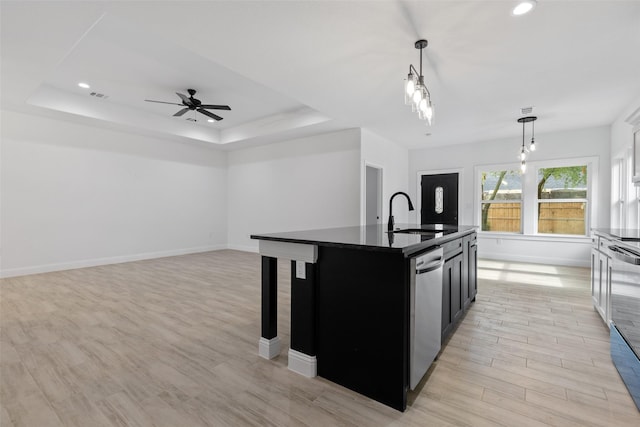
390	227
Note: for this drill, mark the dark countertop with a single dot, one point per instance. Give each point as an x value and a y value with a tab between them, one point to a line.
624	234
373	237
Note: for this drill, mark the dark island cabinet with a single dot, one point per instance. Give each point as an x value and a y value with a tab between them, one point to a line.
452	278
452	306
352	302
459	281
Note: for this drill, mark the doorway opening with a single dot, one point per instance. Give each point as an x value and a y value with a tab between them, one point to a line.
373	195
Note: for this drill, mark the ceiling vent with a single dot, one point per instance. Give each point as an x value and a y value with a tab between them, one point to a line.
99	95
526	110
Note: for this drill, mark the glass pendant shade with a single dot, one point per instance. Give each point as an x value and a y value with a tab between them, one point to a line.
523	166
429	113
410	85
423	106
532	147
417	96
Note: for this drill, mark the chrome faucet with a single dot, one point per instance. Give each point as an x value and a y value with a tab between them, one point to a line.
390	227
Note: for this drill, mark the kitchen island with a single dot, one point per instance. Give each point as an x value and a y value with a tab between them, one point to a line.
351	294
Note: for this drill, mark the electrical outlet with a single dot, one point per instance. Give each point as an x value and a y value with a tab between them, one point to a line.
301	270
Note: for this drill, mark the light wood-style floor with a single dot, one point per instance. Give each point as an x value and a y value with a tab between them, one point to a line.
173	342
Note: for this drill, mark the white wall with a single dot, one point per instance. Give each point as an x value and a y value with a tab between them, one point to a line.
75	195
627	214
394	161
590	142
300	184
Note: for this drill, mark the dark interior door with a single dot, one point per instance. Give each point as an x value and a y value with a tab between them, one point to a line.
439	199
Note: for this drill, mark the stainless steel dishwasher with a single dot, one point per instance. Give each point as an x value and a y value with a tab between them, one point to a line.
426	313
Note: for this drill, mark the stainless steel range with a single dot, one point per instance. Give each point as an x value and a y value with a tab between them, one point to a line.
625	314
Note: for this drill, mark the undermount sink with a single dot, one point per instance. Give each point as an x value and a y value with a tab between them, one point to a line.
415	231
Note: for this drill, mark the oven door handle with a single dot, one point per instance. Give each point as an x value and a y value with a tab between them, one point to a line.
623	255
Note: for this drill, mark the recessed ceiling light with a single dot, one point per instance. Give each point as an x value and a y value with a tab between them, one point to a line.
84	85
210	120
523	7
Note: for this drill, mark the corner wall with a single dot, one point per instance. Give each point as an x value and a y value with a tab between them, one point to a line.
76	196
394	161
305	183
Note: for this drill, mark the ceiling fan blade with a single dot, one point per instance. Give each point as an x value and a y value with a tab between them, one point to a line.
215	107
185	99
209	114
163	102
181	112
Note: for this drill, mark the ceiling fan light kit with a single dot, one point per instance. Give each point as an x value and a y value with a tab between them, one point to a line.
416	93
192	104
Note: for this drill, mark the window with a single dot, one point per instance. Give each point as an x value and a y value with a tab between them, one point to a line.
501	202
562	200
551	198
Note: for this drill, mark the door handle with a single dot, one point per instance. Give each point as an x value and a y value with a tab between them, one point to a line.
624	256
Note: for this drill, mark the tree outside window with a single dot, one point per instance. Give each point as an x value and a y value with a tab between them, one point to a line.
562	200
501	202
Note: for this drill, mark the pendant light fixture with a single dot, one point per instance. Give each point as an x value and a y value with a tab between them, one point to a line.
416	92
532	147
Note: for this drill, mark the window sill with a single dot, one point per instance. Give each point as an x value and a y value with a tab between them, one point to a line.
535	237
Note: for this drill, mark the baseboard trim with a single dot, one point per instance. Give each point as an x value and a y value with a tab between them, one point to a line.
47	268
568	262
243	248
269	349
303	364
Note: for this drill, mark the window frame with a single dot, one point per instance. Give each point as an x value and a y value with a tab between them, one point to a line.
529	220
479	173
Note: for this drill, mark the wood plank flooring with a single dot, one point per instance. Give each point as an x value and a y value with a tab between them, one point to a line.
173	342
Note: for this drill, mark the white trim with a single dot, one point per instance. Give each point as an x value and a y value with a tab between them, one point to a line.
286	250
553	238
253	249
569	262
303	364
46	268
459	171
529	224
477	198
268	349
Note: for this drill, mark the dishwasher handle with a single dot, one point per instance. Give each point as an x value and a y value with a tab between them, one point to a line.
434	265
623	255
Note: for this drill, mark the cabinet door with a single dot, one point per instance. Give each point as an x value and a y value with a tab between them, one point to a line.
447	274
602	279
606	289
473	272
595	277
466	295
457	301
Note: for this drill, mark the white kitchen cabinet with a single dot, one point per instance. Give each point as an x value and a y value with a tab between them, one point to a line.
601	276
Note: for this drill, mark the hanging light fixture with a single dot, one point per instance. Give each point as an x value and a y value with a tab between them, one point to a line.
532	147
416	92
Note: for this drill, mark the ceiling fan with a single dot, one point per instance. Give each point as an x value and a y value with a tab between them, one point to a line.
191	103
